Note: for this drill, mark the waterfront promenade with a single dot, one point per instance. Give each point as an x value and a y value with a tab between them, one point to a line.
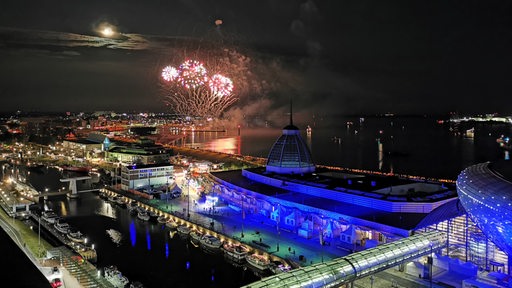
262	235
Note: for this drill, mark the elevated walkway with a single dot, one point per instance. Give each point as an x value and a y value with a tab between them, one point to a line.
358	265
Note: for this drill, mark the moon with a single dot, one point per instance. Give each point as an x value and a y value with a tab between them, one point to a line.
107	31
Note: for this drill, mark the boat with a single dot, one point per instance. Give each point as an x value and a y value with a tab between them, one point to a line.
279	267
183	231
171	224
195	237
75	235
50	216
119	201
153	216
235	252
115	236
143	215
257	261
115	277
210	243
161	219
132	204
62	227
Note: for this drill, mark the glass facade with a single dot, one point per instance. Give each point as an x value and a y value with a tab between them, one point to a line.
290	154
486	195
358	265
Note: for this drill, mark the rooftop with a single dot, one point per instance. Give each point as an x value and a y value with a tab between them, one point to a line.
387	188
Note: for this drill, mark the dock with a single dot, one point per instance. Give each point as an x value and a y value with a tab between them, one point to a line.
86	252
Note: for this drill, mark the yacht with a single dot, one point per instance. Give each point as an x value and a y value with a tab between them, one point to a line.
161	219
171	224
258	261
62	227
115	277
143	215
183	231
210	243
50	216
115	236
75	235
235	252
195	237
279	267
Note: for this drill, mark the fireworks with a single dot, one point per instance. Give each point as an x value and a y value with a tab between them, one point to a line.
192	92
169	73
220	85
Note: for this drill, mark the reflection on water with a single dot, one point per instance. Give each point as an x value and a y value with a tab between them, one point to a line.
106	210
149	254
404	145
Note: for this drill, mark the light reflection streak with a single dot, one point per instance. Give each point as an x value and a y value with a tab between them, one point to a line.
148	240
133	234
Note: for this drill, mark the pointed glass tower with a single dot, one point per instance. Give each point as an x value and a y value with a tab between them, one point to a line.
290	154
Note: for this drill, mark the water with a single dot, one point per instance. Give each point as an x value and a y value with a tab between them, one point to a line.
410	145
146	253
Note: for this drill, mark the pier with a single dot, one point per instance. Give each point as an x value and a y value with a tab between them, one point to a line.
87	253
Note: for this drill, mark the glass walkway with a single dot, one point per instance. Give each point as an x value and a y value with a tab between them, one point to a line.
357	265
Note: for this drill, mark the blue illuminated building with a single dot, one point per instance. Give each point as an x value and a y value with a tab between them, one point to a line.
364	209
485	191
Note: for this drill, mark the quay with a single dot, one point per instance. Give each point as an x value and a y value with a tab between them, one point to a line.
87	253
221	227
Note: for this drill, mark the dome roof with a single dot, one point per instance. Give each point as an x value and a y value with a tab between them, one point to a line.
290	154
485	191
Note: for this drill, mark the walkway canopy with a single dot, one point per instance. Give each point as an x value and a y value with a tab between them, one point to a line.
357	265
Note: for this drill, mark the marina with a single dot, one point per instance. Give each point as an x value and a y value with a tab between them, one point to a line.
78	245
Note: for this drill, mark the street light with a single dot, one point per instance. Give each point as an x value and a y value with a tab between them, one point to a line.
430	260
39	234
188	197
243	216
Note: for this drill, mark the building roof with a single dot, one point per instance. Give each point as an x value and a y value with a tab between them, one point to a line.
361	182
290	154
142	166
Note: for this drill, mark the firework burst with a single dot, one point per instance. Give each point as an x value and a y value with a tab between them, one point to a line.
192	92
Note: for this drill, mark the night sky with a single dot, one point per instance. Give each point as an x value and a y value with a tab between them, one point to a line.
344	57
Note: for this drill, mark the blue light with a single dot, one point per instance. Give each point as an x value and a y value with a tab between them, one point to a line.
148	240
133	233
166	250
187	265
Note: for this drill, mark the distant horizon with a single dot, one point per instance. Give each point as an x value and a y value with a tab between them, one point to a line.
133	112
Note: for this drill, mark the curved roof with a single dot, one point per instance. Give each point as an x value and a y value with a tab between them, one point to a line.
290	154
344	270
485	191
